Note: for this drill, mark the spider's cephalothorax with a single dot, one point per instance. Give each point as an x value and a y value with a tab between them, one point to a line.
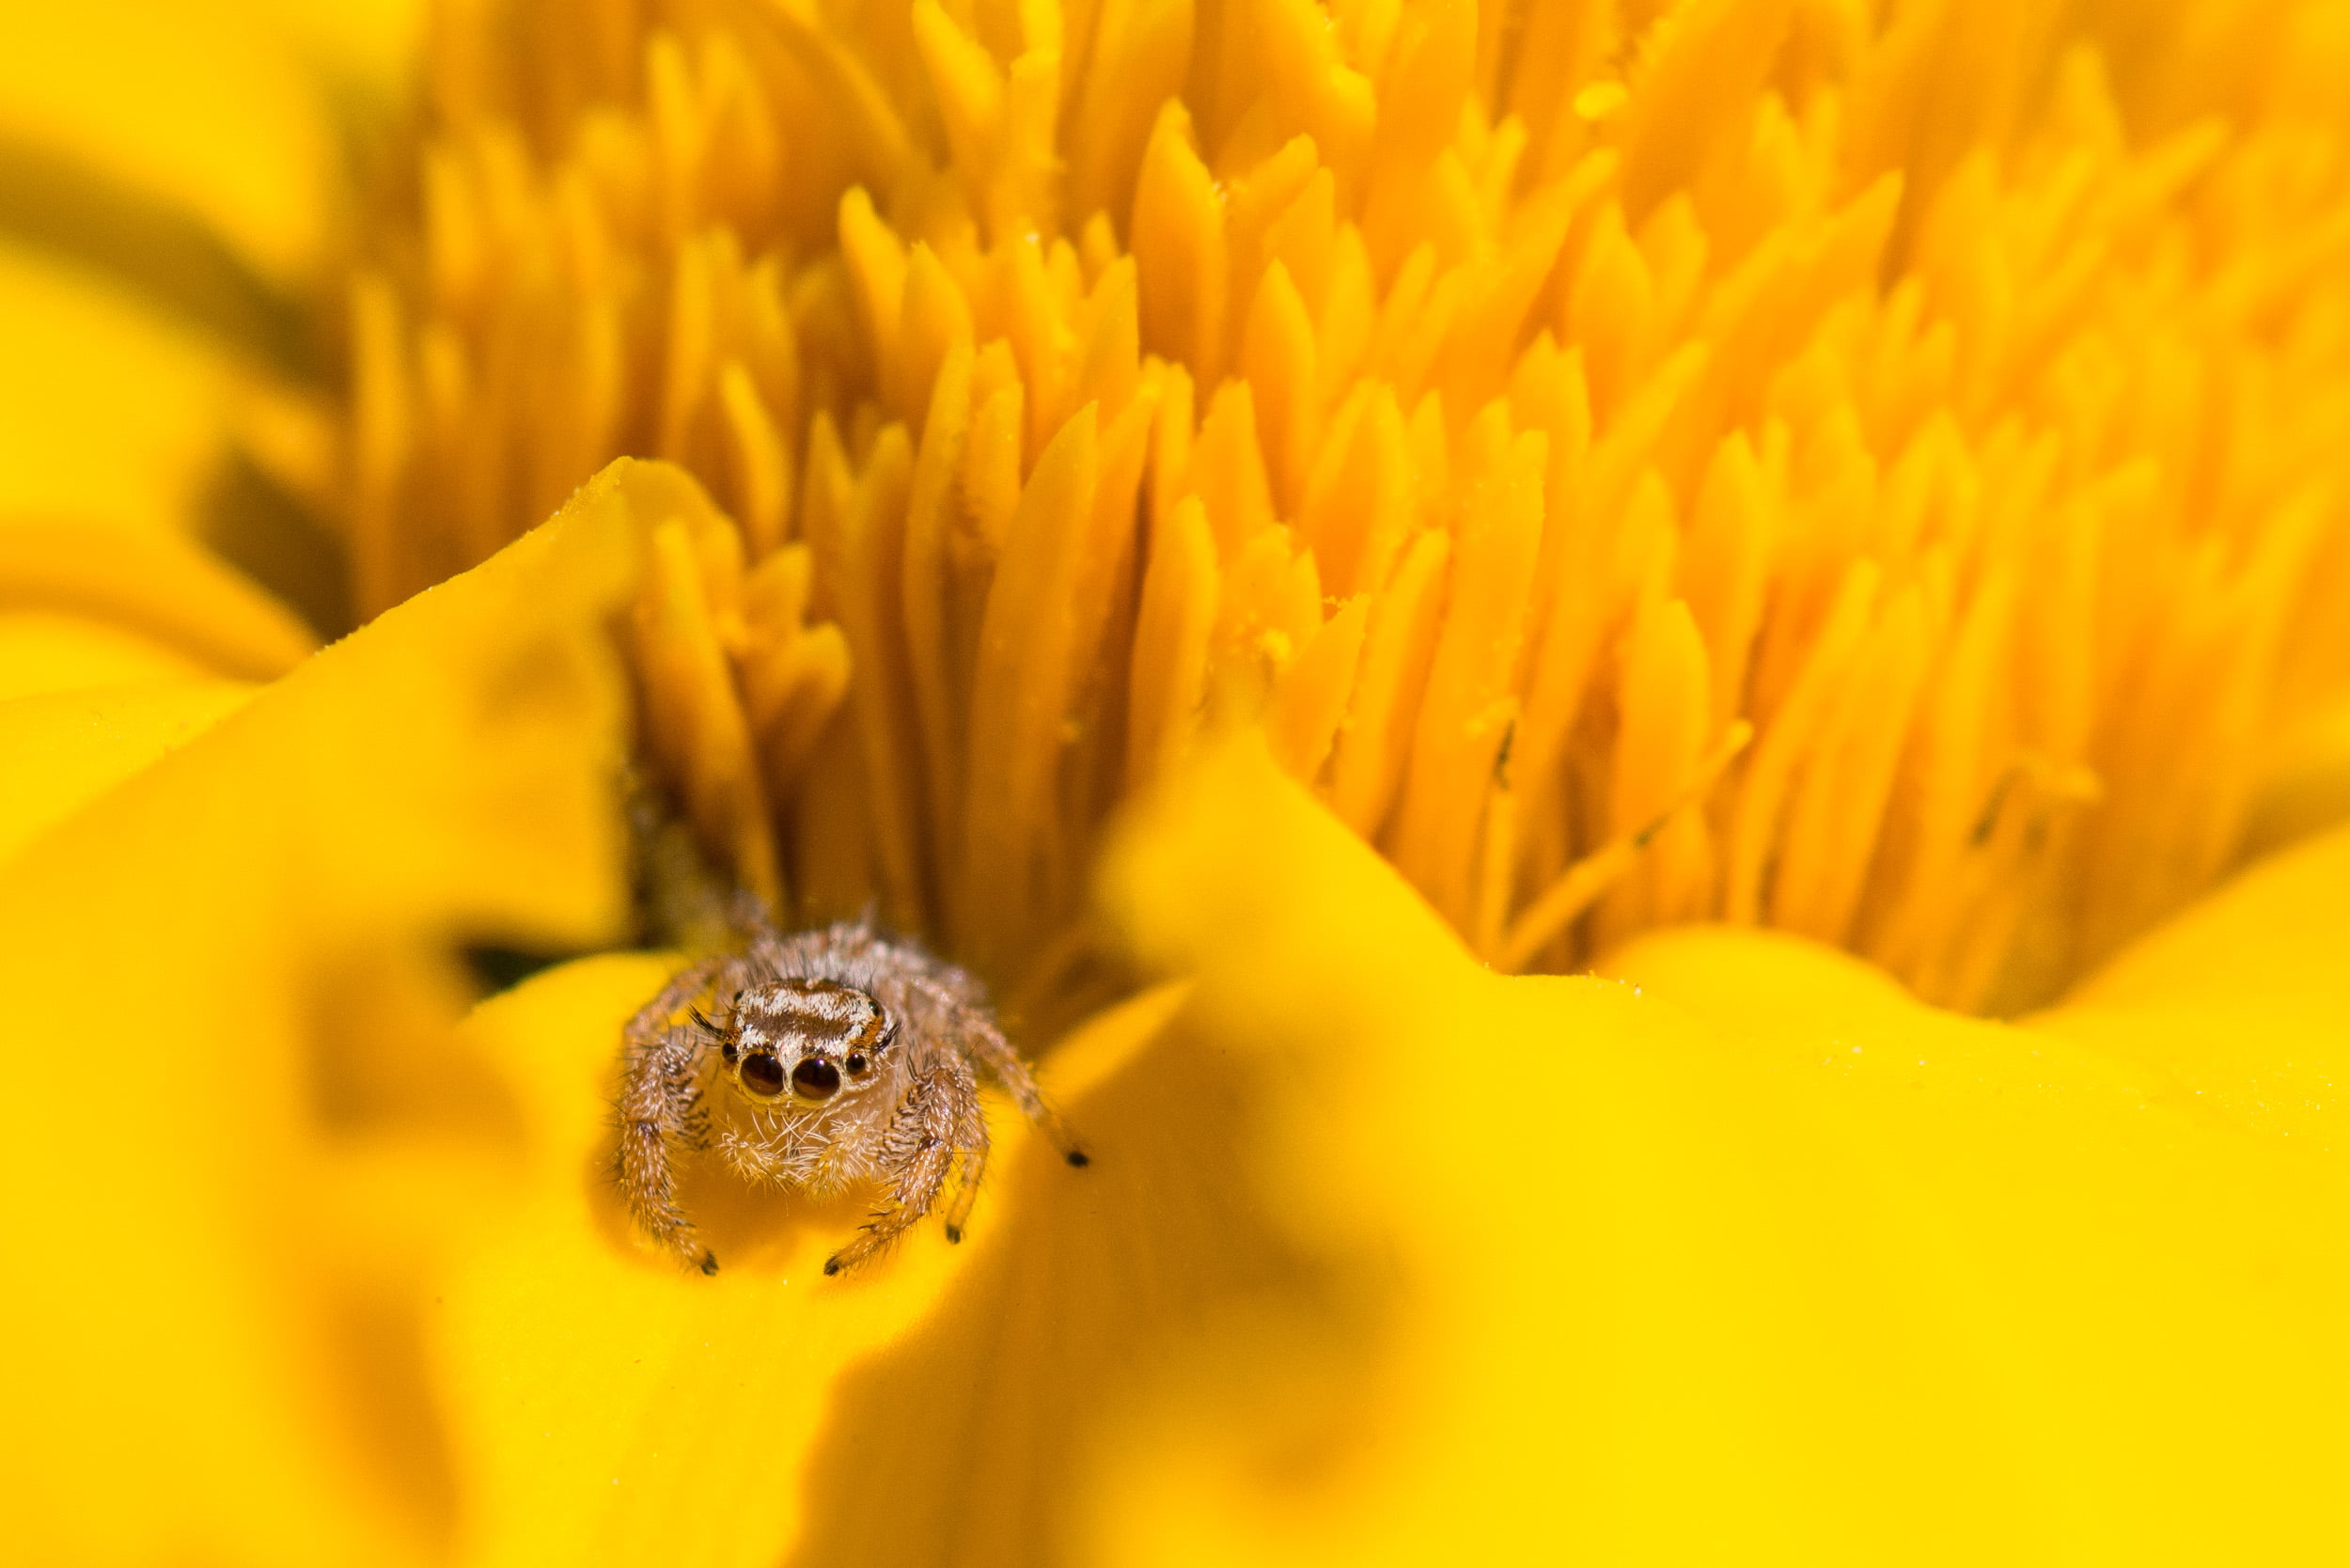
847	1055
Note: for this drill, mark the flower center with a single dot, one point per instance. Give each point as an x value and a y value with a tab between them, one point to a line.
1509	432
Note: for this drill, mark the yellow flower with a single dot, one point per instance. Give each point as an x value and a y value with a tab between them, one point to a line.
1250	524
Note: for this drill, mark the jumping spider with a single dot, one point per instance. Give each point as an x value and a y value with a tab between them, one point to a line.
847	1055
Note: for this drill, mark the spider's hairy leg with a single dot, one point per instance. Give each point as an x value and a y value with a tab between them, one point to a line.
919	1147
971	1140
661	1108
660	1105
984	1040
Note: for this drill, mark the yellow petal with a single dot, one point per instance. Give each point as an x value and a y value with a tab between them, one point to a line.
159	585
219	109
244	1126
42	651
1663	1268
2244	1000
1383	1257
111	641
60	749
108	411
2308	789
592	1385
166	179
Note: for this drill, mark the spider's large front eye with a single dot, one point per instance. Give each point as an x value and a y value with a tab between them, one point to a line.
815	1078
762	1074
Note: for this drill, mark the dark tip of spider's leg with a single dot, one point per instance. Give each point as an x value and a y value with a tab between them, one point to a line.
954	1234
832	1266
1078	1158
709	1263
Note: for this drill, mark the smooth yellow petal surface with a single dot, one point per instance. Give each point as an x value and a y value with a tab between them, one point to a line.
168	179
108	411
60	749
113	643
219	108
2306	789
2244	1000
1741	1255
244	1128
158	585
43	651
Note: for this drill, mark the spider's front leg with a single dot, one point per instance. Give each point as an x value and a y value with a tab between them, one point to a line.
661	1107
982	1039
938	1119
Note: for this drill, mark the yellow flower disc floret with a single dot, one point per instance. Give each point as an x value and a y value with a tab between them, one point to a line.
1874	476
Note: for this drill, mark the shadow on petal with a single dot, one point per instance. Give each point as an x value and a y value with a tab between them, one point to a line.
1160	1275
232	978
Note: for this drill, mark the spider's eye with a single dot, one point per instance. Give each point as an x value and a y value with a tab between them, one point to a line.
727	1049
855	1063
815	1078
762	1074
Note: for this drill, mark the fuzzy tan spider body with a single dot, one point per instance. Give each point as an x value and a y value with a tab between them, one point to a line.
817	1060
